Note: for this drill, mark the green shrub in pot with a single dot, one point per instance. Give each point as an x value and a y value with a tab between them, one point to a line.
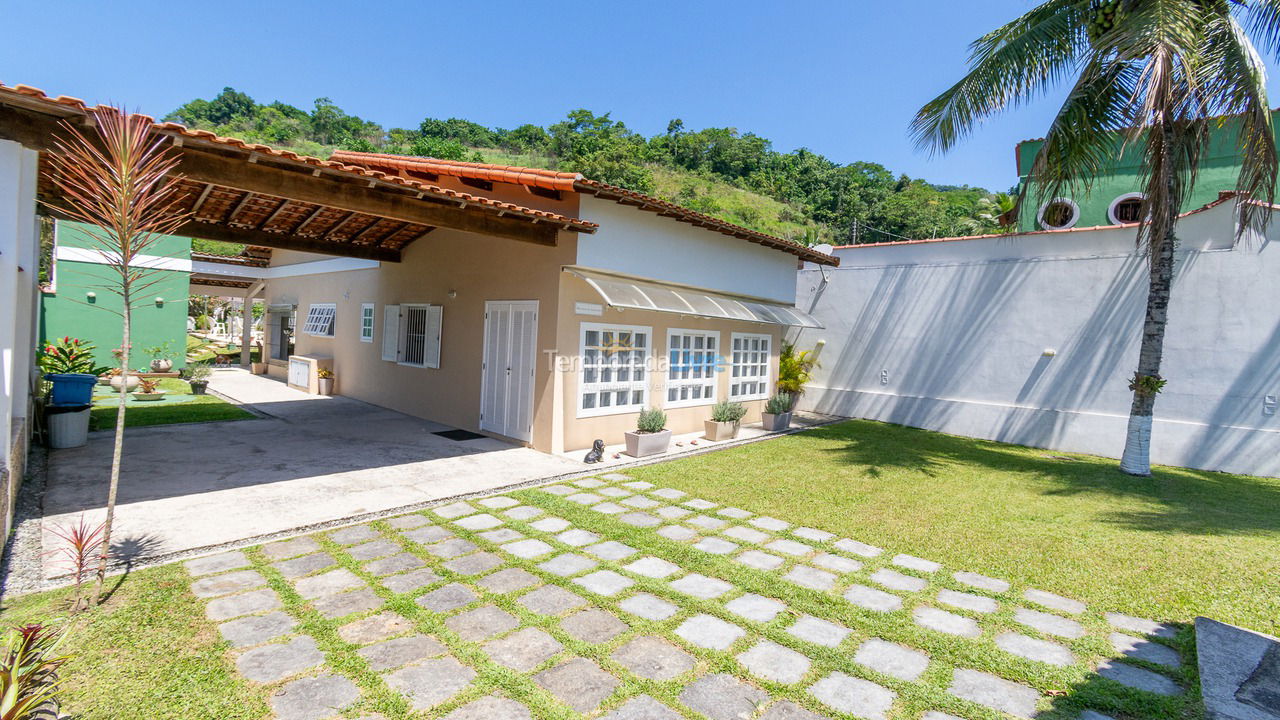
777	412
651	435
726	418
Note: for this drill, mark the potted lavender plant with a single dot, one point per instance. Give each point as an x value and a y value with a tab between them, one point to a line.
726	417
777	413
651	436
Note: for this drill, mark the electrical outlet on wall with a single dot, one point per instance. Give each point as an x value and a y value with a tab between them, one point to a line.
884	377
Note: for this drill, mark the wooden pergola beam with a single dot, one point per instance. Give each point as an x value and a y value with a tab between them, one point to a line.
249	236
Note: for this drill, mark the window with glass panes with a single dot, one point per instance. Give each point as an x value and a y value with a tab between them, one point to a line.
366	322
613	369
749	371
691	369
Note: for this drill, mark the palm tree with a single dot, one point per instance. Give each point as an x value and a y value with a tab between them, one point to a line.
1150	77
997	210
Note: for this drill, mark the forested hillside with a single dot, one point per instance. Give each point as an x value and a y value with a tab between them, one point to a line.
737	176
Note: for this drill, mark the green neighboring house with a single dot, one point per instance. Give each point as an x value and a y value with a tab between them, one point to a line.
78	300
1116	197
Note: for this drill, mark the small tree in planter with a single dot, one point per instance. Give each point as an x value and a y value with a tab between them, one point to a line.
162	357
777	412
651	436
795	370
726	418
197	376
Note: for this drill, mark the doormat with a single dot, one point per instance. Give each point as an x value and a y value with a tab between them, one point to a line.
459	435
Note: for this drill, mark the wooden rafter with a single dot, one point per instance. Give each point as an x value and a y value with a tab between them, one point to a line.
307	220
204	195
274	214
231	217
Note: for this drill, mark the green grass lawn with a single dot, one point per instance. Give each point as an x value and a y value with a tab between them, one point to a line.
203	408
1173	546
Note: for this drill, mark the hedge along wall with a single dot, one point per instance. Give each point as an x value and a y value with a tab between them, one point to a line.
67	310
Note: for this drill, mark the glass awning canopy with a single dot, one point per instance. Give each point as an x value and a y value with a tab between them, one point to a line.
623	292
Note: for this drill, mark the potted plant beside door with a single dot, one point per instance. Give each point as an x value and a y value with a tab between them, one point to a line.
726	417
777	413
651	436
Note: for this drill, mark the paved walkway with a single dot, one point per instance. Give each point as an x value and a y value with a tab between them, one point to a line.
609	597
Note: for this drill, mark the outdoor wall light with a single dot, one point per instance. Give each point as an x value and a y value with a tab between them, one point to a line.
160	302
453	294
91	296
1049	352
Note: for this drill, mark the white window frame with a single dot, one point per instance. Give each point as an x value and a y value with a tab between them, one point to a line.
1075	214
737	363
707	381
368	315
630	385
433	331
327	311
1111	209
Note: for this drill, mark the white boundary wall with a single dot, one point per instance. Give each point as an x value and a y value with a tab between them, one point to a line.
1032	339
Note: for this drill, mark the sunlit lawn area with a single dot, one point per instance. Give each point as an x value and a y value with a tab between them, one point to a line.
198	408
1179	544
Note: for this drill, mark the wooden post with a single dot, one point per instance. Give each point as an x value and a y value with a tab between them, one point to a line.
246	331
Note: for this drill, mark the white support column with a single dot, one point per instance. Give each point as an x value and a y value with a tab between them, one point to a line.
246	321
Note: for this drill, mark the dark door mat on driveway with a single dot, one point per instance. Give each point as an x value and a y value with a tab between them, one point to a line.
459	435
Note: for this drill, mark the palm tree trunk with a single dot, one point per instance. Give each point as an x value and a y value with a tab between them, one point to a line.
1137	448
104	555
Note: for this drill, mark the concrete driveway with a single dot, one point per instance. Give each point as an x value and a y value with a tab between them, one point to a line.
308	460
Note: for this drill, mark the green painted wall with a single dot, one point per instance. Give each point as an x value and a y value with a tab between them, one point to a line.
1219	170
68	311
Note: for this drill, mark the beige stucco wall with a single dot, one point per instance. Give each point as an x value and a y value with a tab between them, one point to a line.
477	268
578	433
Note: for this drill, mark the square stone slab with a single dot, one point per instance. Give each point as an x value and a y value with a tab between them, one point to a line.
669	493
225	608
653	567
428	535
857	548
304	565
640	519
343	604
613	492
530	548
451	548
490	707
760	560
256	629
509	580
403	562
1053	602
270	663
672	512
524	512
577	538
430	683
330	583
872	599
772	524
578	683
1142	649
1034	649
643	707
400	651
374	628
584	498
375	549
813	534
474	564
483	521
716	546
216	563
354	534
654	658
524	649
787	710
774	662
448	598
501	535
818	631
567	564
313	698
699	504
709	632
454	510
409	581
892	659
605	582
641	502
593	626
967	601
747	535
290	548
679	533
1049	624
735	513
238	581
481	623
552	600
812	578
755	607
835	563
706	522
789	547
635	484
1138	678
608	508
649	607
982	582
945	622
701	586
610	550
994	692
912	562
723	697
408	522
895	580
855	696
1140	626
497	502
549	524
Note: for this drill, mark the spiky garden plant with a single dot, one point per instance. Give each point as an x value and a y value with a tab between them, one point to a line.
80	542
118	178
28	670
1150	77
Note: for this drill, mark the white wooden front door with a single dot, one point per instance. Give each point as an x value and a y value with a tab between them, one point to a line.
510	356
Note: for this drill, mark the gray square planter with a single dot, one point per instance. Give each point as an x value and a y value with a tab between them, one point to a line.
776	423
718	431
644	444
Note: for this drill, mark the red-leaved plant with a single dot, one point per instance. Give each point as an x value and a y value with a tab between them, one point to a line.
29	670
81	541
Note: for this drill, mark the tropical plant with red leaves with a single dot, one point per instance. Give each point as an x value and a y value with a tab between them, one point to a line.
69	355
29	670
120	180
81	541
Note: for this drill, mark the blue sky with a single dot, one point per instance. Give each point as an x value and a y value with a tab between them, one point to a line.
841	78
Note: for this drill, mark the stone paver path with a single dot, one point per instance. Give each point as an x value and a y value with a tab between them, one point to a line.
613	598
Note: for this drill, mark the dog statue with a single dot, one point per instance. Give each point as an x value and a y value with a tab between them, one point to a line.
596	454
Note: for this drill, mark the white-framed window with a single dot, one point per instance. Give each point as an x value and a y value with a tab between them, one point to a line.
411	334
691	370
320	319
1127	209
366	322
749	367
614	377
1058	214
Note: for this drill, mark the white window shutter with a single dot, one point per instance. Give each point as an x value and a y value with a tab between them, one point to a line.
390	333
435	325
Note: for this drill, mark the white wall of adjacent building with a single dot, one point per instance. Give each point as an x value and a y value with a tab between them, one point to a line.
1032	339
